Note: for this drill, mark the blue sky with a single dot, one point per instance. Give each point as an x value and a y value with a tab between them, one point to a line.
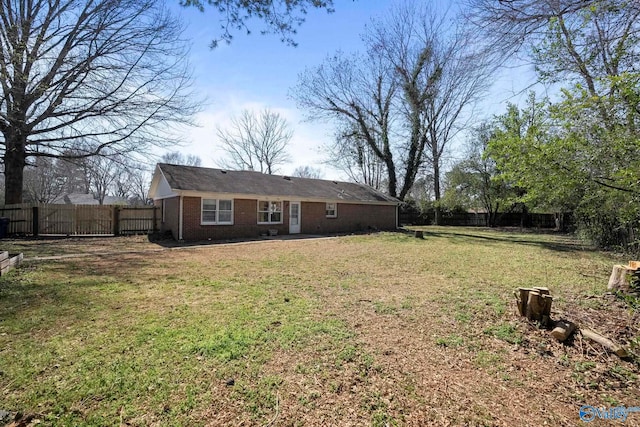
257	71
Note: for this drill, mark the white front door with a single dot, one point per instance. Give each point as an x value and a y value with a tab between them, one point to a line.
294	217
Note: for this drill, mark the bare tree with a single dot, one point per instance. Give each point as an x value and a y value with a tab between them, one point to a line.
256	141
307	172
113	174
406	97
508	26
76	171
42	181
104	171
442	75
140	180
357	92
177	158
88	75
351	154
47	179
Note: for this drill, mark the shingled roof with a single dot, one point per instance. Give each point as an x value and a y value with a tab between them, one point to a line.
207	180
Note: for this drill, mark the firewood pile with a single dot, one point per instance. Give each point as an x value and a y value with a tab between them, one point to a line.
535	305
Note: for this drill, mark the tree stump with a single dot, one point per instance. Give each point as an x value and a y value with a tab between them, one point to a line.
618	279
624	276
418	234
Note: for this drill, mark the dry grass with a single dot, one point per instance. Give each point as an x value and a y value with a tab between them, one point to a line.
60	246
361	330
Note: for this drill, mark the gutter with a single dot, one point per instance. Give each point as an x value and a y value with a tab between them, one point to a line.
180	220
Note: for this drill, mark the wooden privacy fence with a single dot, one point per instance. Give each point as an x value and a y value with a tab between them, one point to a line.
507	219
469	219
68	220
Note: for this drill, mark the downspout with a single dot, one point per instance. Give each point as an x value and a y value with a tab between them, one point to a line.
180	218
397	216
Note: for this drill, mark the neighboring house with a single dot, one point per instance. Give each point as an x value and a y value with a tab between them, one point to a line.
87	199
202	203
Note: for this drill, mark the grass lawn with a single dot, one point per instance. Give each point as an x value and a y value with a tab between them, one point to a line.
379	330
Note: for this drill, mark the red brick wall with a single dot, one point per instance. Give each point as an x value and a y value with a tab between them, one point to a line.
245	221
351	218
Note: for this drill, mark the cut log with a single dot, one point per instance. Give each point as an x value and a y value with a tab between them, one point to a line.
534	307
563	330
521	297
618	280
547	301
535	304
605	342
542	290
546	311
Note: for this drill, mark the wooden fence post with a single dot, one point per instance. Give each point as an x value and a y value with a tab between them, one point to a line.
35	222
116	220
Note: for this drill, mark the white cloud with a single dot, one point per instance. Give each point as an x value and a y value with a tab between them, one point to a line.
304	149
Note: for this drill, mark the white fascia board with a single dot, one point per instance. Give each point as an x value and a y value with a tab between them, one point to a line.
168	196
274	198
160	188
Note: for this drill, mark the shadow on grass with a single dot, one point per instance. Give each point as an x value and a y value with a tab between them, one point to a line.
65	289
30	246
170	243
501	236
61	246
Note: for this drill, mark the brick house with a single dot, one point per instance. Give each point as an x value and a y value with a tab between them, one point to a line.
203	203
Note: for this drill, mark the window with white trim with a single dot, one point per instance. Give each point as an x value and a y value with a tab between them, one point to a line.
269	212
216	211
331	210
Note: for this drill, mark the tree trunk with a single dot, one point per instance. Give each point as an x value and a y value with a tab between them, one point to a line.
491	217
436	191
493	214
14	162
524	216
393	180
